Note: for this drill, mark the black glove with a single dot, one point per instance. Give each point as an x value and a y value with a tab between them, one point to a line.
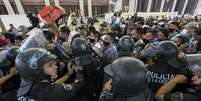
178	96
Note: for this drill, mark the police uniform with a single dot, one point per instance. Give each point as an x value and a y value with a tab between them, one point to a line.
167	66
90	63
45	91
35	84
193	92
125	71
159	73
8	89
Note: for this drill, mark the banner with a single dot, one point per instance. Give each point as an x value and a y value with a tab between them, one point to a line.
16	20
142	14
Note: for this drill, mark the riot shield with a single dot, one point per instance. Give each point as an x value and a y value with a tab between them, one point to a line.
36	39
194	61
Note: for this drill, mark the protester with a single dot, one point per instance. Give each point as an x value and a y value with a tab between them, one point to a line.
136	34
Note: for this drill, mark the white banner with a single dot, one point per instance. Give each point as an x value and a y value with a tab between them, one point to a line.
142	14
16	20
154	14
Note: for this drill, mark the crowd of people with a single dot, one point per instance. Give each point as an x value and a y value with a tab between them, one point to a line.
126	59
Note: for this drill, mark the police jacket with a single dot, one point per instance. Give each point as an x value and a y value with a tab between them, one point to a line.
45	91
159	73
107	96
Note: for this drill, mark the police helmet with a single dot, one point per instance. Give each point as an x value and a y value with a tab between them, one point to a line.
168	51
80	46
194	62
7	58
125	72
126	43
29	64
11	53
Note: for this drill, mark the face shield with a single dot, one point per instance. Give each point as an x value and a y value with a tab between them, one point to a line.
194	62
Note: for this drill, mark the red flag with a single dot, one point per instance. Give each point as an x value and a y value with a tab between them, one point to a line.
49	14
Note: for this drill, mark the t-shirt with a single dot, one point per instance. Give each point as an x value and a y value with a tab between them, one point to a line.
160	73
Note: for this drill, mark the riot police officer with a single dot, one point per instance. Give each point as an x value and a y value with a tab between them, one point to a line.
127	81
192	92
89	60
36	68
125	46
9	80
167	66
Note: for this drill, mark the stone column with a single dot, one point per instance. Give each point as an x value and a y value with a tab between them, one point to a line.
162	5
47	2
174	5
56	2
9	8
184	8
81	2
118	5
136	5
131	6
19	6
198	8
89	8
149	6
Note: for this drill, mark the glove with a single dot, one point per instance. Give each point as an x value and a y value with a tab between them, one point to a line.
178	96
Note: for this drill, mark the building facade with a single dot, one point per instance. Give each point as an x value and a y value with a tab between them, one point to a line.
99	7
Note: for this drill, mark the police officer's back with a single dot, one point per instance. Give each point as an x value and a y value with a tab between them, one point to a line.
166	67
192	91
127	81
